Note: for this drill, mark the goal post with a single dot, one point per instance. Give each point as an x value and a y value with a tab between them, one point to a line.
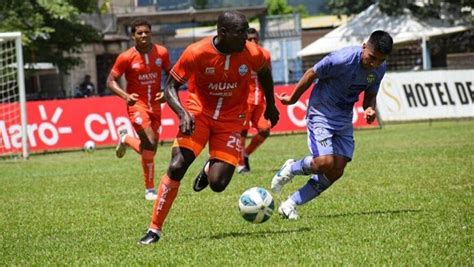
13	118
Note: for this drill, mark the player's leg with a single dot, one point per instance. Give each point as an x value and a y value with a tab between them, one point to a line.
343	147
220	174
126	140
321	159
135	114
263	127
242	166
184	152
181	159
224	150
148	143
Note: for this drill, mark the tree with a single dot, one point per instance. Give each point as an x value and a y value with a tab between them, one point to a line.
452	10
52	30
281	7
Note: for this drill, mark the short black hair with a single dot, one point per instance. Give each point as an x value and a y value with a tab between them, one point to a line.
229	17
139	22
381	41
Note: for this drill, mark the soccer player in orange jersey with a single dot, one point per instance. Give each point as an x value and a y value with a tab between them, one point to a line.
217	70
256	108
142	66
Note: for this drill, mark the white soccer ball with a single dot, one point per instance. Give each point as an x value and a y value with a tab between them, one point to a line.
256	205
89	146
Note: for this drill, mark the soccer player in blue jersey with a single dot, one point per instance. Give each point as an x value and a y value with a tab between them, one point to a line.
340	78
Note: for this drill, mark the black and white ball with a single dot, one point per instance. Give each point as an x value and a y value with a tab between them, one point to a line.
256	205
89	146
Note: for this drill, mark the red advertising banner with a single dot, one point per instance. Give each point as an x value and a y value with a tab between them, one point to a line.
68	124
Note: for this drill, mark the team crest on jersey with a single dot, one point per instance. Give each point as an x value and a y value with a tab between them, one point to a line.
243	69
210	71
370	78
158	62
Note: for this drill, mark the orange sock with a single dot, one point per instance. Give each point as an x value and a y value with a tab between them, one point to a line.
167	192
257	140
148	165
133	142
241	156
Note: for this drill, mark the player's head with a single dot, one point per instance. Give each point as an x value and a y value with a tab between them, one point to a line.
376	50
141	32
252	35
232	31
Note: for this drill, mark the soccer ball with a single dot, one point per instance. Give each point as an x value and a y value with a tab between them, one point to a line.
89	146
256	205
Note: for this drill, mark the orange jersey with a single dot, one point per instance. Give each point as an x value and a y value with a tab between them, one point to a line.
143	72
218	83
256	94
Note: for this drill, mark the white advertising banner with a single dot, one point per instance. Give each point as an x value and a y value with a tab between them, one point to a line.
425	95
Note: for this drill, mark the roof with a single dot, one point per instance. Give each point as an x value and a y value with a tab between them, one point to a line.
402	28
322	21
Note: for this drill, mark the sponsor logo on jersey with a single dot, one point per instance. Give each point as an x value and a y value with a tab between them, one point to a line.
370	78
148	76
222	86
210	71
243	69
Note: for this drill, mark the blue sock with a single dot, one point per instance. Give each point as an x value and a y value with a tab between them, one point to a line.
302	166
313	188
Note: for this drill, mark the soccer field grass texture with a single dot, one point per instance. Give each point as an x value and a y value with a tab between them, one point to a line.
406	199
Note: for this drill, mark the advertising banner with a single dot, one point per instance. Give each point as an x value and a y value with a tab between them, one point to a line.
68	124
425	95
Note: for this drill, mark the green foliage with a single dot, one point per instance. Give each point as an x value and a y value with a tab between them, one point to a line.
200	4
451	9
52	30
281	7
405	200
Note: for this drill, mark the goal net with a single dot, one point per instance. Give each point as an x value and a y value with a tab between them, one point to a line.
13	124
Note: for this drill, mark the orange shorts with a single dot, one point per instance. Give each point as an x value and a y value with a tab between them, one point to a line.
255	117
142	117
223	138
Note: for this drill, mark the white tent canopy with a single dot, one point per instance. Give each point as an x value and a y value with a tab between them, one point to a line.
402	28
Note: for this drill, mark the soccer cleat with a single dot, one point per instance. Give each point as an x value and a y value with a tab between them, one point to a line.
150	194
241	169
282	177
247	164
121	146
149	238
287	210
201	181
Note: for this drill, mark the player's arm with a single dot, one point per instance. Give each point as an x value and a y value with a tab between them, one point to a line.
113	85
303	84
186	120
266	80
160	96
369	104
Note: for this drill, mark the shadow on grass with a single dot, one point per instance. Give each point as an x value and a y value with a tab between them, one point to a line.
256	234
367	213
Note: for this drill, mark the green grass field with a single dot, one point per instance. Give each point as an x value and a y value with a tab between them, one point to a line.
406	199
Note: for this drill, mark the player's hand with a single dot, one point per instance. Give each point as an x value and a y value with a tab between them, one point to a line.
284	98
132	99
272	114
370	115
160	96
186	123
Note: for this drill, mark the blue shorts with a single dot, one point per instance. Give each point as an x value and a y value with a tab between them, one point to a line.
323	141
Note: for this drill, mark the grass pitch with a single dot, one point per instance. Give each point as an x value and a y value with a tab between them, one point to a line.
405	199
